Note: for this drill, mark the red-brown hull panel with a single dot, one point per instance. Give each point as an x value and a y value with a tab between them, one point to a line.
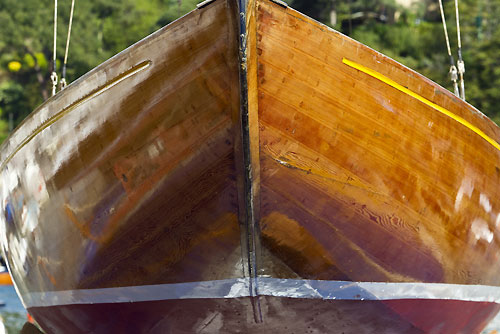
445	316
281	315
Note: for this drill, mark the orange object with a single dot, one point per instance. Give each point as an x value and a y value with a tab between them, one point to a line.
5	278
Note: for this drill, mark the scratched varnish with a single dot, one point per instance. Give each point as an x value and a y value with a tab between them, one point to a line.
140	175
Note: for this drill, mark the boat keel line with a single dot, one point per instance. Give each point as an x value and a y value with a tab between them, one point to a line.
272	287
248	163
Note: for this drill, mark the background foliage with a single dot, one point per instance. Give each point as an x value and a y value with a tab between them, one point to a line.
411	34
101	28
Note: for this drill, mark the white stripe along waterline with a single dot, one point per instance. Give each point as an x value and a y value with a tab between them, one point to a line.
287	288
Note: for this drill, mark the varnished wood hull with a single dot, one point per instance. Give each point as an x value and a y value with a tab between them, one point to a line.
293	180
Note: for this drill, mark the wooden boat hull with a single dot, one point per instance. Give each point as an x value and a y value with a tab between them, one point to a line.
276	176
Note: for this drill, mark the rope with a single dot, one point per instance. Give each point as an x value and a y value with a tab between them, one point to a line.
458	25
63	80
453	69
460	62
53	76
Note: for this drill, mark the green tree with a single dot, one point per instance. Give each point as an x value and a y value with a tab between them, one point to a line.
101	28
317	9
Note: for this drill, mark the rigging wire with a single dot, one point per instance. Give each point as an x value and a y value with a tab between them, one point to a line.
63	80
53	76
453	68
460	62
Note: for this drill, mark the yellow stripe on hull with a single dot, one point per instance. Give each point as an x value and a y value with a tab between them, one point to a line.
422	99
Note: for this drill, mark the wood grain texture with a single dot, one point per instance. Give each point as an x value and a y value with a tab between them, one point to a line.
389	188
137	185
